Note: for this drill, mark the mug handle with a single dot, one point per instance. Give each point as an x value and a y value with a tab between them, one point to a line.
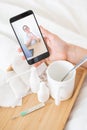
57	96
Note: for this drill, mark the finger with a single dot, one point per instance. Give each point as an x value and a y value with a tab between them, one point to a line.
38	63
19	50
23	58
48	43
46	33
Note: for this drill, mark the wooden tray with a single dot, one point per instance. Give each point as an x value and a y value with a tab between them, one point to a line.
51	117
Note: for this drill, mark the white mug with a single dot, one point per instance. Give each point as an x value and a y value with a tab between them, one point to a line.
60	90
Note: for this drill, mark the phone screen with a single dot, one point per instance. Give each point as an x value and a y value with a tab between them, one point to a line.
29	36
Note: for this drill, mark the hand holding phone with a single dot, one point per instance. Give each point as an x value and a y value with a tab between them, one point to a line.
29	36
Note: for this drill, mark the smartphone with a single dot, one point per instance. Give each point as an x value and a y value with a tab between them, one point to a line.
29	37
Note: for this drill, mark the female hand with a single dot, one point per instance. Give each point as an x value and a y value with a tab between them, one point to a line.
56	46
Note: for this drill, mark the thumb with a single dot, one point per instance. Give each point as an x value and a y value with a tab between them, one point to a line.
46	33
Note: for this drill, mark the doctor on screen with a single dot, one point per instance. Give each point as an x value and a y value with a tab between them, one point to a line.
29	38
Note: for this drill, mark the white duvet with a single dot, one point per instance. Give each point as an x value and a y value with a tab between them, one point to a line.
66	18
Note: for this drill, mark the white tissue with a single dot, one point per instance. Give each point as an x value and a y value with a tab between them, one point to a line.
14	85
43	93
7	97
17	85
34	80
22	67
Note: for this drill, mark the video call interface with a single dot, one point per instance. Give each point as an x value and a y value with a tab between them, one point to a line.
29	36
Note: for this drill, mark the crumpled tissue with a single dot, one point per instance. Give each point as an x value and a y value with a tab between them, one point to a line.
14	85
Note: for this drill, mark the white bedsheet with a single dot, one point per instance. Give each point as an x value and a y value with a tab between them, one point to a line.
66	18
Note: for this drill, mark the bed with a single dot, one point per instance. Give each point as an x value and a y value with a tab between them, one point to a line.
67	19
